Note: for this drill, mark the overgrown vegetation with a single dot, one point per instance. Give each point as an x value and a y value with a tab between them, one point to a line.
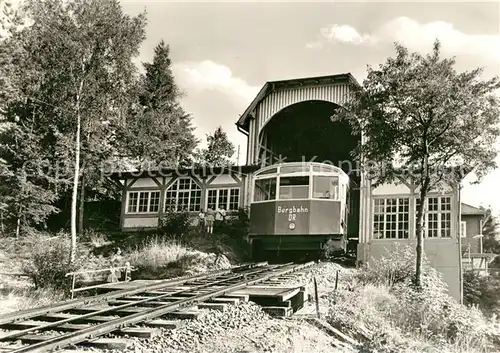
482	292
176	224
383	309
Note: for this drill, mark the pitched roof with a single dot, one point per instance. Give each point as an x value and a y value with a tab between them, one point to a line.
471	210
271	86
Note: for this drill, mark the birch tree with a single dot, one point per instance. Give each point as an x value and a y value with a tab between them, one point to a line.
82	50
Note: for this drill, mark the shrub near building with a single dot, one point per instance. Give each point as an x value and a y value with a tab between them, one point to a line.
482	292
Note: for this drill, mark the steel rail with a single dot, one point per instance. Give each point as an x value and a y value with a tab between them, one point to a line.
73	303
104	328
20	333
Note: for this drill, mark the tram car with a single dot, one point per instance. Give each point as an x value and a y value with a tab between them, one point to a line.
299	207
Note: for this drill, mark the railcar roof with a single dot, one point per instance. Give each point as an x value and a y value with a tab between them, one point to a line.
306	168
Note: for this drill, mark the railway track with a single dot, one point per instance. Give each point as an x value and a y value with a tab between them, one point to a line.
84	320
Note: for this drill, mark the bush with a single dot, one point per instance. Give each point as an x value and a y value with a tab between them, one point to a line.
48	262
396	266
237	225
175	224
483	292
94	238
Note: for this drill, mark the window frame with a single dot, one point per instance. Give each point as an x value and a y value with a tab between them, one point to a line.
138	204
188	191
217	198
297	169
397	214
287	187
340	189
266	177
438	214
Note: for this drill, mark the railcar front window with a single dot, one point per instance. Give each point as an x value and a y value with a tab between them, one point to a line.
294	188
326	187
265	189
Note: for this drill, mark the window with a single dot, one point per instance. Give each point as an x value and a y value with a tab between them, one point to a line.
294	187
234	199
463	229
391	218
143	202
265	189
437	217
323	168
294	169
212	199
183	195
229	199
326	187
269	171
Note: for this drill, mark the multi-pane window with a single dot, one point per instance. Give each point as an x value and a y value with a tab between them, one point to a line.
294	187
391	218
437	217
132	202
234	199
229	199
265	189
183	195
143	202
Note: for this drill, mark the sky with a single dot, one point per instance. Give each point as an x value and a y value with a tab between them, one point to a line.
224	52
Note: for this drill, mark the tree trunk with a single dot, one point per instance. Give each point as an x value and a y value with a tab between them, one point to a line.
76	176
420	240
1	223
82	205
420	226
18	226
18	221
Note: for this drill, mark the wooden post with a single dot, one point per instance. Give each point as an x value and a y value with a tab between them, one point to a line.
336	279
316	297
73	285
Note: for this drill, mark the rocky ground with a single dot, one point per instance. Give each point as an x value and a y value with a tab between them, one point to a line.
247	329
243	328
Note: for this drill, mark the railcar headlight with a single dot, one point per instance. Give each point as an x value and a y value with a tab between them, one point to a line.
291	226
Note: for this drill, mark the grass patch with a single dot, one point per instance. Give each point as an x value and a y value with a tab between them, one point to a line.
156	253
160	258
26	298
385	312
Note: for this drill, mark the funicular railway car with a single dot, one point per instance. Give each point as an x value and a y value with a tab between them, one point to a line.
298	207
